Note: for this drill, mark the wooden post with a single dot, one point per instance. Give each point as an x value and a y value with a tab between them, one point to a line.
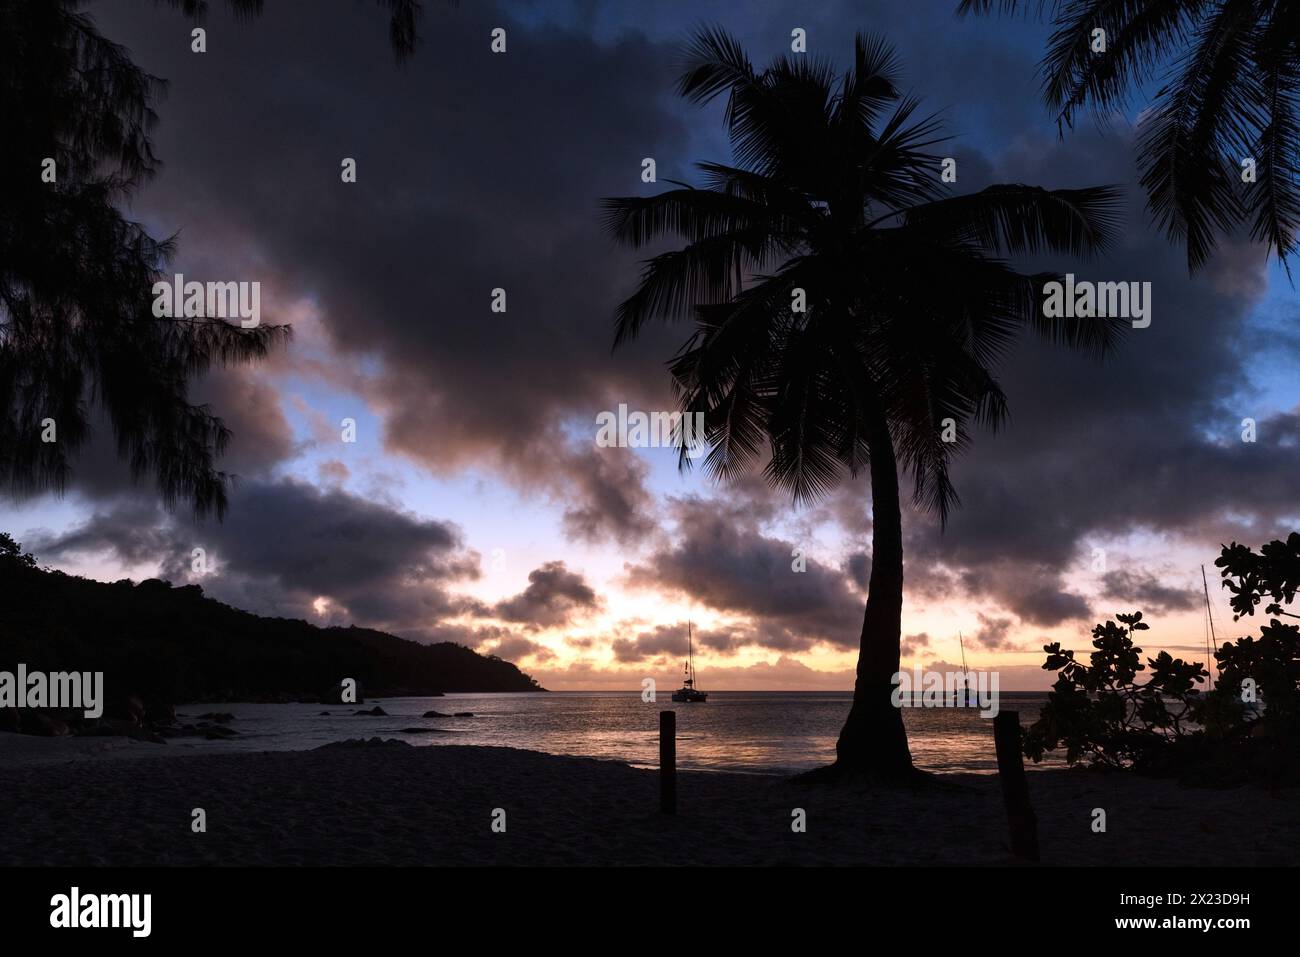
668	762
1015	790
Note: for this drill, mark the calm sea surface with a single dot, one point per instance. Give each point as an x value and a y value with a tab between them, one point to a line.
762	732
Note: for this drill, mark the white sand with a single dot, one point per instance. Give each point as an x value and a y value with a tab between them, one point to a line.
112	801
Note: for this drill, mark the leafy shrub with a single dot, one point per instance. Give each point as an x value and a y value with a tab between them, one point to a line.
1101	715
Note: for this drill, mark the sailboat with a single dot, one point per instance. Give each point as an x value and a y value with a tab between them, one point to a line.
1211	640
688	692
1251	708
968	680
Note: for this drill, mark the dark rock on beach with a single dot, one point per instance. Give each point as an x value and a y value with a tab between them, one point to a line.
434	714
376	712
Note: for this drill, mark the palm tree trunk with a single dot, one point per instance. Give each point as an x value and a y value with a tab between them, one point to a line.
873	741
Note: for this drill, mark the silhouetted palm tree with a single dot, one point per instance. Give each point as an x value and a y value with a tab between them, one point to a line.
1231	93
908	307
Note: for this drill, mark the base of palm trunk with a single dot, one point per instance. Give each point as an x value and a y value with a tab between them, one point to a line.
873	744
846	775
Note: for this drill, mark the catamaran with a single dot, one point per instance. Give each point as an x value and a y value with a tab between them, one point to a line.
688	692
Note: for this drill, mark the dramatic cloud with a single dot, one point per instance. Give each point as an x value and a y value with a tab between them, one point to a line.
1145	592
245	400
553	596
858	566
912	644
663	640
131	531
516	648
490	182
786	672
611	501
993	632
1145	442
290	549
721	558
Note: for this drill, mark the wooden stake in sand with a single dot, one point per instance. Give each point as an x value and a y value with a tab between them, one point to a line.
1015	790
668	762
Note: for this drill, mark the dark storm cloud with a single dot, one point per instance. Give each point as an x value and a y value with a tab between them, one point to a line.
476	171
669	641
725	641
553	597
260	436
131	530
515	647
610	500
287	543
722	559
858	567
993	631
1145	441
661	640
912	644
1047	605
245	401
1144	591
1030	589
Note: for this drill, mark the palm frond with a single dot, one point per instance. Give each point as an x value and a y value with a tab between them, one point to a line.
1274	201
1207	115
1014	219
1139	36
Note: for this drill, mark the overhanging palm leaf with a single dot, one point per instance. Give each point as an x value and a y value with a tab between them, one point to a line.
1232	74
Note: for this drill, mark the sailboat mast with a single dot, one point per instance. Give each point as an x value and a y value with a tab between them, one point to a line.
690	654
1211	638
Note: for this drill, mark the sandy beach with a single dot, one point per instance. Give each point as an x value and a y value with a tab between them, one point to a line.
117	802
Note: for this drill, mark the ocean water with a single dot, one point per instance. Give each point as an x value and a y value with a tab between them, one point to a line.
761	732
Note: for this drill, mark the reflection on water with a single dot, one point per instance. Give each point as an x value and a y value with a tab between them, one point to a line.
763	732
